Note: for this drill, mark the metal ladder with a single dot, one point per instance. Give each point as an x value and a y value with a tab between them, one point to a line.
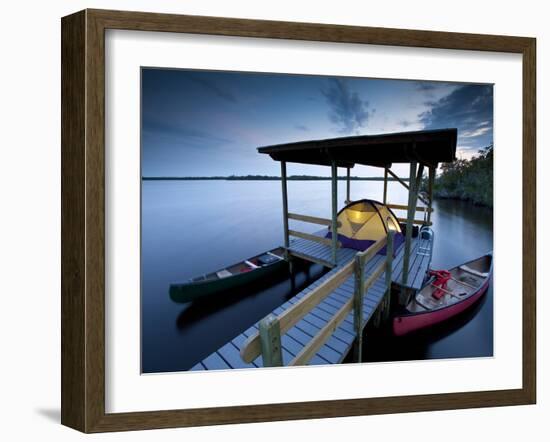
426	233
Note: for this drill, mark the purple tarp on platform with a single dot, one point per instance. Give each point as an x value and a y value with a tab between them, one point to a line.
364	244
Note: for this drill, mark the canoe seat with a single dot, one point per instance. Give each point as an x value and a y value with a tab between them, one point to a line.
251	265
267	259
224	274
467	269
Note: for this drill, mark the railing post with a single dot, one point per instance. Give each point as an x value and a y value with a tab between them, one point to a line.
334	224
358	293
270	338
389	269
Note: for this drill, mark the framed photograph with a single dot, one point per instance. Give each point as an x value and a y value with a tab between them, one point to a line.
269	220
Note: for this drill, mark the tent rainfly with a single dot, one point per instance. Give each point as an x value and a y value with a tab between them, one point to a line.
363	222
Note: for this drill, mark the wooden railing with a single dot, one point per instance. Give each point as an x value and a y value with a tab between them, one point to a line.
421	222
319	239
405	207
315	238
267	342
312	219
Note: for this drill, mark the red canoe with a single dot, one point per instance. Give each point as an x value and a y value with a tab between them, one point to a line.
435	303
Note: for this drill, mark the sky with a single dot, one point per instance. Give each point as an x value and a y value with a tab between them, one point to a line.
210	123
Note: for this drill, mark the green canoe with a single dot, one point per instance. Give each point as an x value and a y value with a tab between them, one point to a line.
237	275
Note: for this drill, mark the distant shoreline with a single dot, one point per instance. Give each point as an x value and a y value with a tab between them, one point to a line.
262	178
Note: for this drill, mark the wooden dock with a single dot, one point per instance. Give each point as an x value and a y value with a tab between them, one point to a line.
339	344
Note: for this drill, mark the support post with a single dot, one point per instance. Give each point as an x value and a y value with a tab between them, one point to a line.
385	199
270	339
285	216
388	271
359	270
334	224
431	178
285	203
348	192
411	209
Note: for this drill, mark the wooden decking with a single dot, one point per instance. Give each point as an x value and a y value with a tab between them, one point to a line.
339	344
320	253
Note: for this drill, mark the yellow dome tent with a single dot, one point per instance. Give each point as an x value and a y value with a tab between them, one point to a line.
364	222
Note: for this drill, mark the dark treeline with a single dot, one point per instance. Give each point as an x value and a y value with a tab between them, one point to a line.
470	180
261	178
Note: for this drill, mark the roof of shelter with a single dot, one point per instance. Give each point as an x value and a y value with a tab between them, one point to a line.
428	147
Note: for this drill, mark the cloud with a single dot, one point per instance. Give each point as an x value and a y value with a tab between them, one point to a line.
405	123
213	87
346	109
178	131
301	127
475	132
466	153
425	86
469	108
481	128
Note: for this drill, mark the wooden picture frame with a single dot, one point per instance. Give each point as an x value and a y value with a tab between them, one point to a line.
83	219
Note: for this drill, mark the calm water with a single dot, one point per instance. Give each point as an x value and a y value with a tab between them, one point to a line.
193	227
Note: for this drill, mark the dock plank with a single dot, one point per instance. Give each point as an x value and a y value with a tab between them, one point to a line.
327	352
198	367
320	251
291	345
215	362
311	330
231	354
317	360
314	323
341	335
